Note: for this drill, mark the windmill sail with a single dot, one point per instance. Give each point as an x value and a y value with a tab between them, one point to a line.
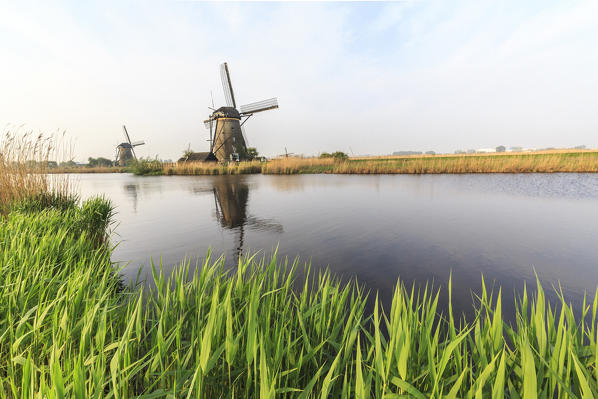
259	106
127	134
244	135
227	86
207	123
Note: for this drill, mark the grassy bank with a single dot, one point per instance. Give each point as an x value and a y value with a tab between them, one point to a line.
543	162
68	329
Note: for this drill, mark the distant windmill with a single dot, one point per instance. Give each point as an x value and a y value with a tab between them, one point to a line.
286	153
126	151
227	136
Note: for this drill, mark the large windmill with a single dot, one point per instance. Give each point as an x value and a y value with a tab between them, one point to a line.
227	137
125	151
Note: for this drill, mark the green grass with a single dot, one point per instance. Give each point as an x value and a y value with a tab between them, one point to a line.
146	167
69	329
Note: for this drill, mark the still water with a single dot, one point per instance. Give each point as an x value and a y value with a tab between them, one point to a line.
374	228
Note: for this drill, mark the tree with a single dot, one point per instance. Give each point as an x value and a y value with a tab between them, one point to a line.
501	148
338	155
99	162
68	164
252	153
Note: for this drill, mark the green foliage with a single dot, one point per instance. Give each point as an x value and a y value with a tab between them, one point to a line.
68	164
99	162
46	200
146	167
252	153
69	329
338	156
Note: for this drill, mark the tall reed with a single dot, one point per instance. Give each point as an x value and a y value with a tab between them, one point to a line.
212	168
24	165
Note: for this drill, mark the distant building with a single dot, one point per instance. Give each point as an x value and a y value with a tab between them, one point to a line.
485	150
430	153
516	149
407	153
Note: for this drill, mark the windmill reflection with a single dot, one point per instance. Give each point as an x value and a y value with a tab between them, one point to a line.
131	190
231	196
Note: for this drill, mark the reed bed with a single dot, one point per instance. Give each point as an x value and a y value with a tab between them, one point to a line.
550	162
212	168
69	329
86	169
25	160
540	162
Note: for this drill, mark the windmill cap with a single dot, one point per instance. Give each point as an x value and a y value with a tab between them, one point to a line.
227	112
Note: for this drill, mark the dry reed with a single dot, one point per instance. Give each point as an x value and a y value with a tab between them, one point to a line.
211	168
25	160
87	169
553	162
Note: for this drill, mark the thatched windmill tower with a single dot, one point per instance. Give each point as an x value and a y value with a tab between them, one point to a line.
227	137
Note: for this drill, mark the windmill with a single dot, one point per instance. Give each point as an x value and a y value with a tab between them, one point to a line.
227	135
125	151
286	153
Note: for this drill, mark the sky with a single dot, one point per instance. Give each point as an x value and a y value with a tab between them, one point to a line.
360	77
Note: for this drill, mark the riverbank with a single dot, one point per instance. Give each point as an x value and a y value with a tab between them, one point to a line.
557	161
543	162
69	328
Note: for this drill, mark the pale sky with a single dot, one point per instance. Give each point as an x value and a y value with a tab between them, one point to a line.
371	78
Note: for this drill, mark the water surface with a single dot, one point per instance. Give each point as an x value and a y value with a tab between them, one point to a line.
374	228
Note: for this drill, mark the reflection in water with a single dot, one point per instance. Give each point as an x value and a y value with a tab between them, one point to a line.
230	202
131	190
375	228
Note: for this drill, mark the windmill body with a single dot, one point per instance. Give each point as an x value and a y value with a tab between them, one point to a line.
229	143
227	138
125	151
124	154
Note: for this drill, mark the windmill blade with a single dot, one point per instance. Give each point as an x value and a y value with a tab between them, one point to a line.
127	134
259	106
244	136
209	122
138	143
227	86
133	151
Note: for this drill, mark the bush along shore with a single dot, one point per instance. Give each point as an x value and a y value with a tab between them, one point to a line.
543	162
70	329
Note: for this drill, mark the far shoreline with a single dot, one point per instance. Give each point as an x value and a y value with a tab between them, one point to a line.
554	161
